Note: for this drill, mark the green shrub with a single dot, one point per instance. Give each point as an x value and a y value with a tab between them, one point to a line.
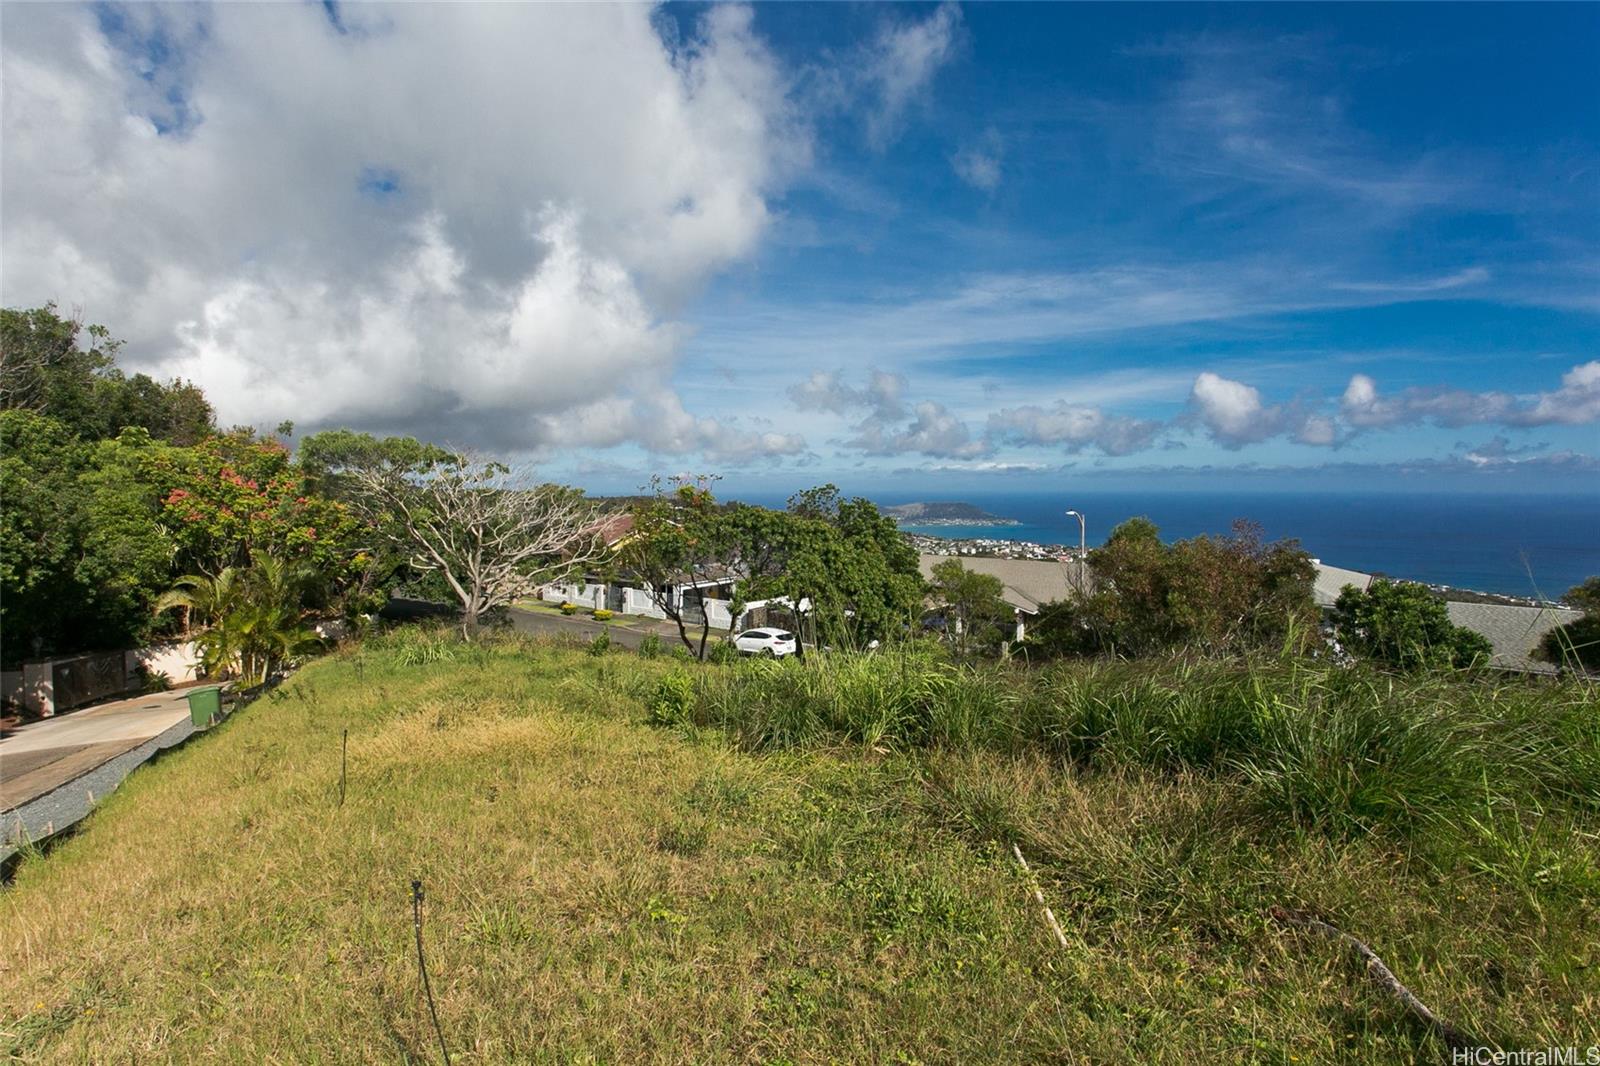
1403	624
673	701
1342	751
1575	645
722	652
650	646
420	645
600	644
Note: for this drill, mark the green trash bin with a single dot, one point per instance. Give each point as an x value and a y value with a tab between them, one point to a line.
205	704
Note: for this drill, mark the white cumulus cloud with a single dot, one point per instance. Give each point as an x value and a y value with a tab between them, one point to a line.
1576	402
1235	415
457	220
1075	426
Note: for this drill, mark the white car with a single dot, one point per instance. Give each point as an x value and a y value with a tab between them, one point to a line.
773	643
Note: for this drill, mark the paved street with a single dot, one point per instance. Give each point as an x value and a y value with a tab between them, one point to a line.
580	627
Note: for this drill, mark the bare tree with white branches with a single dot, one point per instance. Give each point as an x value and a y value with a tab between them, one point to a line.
492	531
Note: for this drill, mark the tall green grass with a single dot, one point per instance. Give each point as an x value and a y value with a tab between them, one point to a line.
1343	750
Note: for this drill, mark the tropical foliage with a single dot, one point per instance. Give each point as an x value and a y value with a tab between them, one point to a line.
1211	594
252	618
114	485
1404	624
975	616
45	367
838	566
1577	644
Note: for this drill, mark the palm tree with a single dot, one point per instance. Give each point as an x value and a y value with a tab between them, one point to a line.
210	601
270	625
252	618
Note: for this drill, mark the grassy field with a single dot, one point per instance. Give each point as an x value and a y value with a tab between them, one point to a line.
632	860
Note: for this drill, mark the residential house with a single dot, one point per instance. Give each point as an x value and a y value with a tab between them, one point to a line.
1515	631
1331	580
1026	584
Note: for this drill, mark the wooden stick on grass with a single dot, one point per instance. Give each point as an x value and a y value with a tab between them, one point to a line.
1452	1036
1038	895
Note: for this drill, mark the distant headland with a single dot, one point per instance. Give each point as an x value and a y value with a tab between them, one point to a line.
945	514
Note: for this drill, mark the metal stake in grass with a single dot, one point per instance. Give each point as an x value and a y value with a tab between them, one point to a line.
1038	895
422	967
344	750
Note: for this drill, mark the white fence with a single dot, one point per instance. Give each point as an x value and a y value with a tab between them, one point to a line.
633	601
592	597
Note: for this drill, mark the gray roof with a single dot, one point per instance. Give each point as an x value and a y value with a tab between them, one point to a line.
1028	582
1331	580
1514	631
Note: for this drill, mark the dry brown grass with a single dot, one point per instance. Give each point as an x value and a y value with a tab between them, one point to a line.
602	891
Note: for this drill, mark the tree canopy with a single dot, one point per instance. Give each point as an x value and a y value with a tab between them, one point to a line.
1217	594
46	368
1403	624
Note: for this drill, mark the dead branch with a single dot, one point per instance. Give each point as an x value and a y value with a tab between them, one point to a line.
1381	973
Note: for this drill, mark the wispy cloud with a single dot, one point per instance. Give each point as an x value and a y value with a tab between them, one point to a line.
1073	428
1470	276
1268	112
904	60
978	164
933	430
1575	402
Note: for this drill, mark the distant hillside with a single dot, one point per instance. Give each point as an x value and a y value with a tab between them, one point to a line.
945	514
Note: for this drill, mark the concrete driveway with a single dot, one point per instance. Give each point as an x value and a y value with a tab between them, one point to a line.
42	756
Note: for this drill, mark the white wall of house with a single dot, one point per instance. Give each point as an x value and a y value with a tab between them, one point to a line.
718	614
180	661
638	602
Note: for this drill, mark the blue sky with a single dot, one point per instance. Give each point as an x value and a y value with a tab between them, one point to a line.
1285	196
920	247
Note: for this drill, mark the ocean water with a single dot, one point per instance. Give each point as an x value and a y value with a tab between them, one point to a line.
1517	545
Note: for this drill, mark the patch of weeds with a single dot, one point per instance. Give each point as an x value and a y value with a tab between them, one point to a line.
895	902
44	1024
498	926
650	646
660	912
683	838
716	794
799	997
672	703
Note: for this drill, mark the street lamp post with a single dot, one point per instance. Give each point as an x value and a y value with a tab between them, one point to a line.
1083	551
